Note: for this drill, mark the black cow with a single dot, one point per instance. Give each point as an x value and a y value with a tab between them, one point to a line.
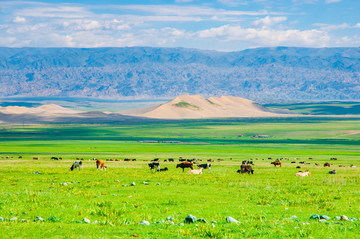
171	160
332	171
154	165
205	166
162	169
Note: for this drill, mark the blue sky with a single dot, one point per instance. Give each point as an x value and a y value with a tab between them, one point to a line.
224	25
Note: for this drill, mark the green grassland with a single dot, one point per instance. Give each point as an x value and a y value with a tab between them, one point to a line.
321	108
263	203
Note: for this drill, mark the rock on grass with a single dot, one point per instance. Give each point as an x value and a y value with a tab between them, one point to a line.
324	217
39	219
232	220
201	220
315	216
145	223
54	219
190	219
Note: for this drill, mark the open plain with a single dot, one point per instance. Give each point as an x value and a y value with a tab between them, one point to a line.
271	203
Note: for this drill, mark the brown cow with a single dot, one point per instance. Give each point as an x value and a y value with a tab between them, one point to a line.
245	168
276	163
185	165
326	165
100	164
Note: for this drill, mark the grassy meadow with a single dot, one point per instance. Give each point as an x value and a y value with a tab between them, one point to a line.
272	203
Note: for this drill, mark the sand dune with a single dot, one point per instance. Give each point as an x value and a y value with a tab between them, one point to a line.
56	114
44	110
182	107
195	107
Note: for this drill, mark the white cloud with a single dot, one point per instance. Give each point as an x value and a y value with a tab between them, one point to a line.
267	37
55	12
268	21
233	3
80	25
171	10
332	1
305	1
19	19
183	1
332	27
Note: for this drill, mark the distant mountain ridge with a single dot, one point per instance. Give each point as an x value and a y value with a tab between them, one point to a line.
281	73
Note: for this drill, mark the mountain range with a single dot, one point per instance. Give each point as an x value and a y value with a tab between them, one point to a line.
261	74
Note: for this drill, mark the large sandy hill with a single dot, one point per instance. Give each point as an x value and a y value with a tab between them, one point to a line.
52	113
195	107
44	109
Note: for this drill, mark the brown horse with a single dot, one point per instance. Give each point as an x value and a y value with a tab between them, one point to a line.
185	165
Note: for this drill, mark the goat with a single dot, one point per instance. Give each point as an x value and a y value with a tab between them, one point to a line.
76	164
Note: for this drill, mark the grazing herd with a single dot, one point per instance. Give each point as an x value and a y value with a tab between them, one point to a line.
245	167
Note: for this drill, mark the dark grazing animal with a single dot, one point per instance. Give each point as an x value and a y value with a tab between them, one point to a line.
332	171
155	160
276	163
127	160
249	162
162	169
76	164
326	165
246	168
154	165
205	166
243	162
184	165
171	160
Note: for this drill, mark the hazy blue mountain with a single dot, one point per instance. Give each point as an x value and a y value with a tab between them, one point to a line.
281	73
